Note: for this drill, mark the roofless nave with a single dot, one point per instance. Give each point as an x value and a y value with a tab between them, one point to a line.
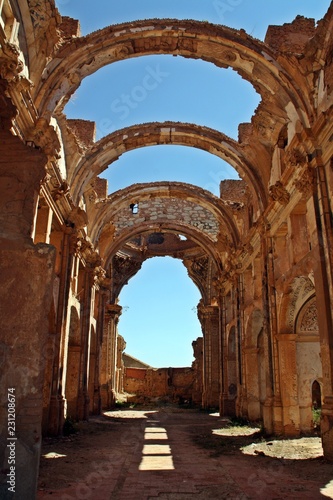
260	254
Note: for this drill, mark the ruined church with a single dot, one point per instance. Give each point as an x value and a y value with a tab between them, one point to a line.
260	253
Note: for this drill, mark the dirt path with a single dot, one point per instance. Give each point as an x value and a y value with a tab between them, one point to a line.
175	454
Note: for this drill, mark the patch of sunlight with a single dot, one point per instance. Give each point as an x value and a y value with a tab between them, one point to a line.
53	454
291	449
157	436
327	491
236	431
156	456
123	413
156	449
156	463
156	429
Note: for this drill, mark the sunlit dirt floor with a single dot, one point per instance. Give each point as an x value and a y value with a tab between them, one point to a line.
180	454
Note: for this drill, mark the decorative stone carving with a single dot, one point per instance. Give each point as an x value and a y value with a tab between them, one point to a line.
100	273
123	268
7	109
200	268
309	321
264	124
45	137
94	261
279	193
61	191
295	158
306	182
43	15
10	63
301	288
78	217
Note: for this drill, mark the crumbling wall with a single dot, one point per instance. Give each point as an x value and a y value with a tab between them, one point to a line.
159	384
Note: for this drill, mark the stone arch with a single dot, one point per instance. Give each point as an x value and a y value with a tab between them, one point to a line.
74	328
108	150
316	395
253	363
195	235
297	292
308	359
232	384
123	198
254	327
73	362
225	47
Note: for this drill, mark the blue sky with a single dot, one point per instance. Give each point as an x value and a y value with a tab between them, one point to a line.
156	330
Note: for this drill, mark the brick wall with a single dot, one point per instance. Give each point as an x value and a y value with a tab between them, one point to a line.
173	210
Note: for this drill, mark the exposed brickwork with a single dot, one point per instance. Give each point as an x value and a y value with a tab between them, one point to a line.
101	187
174	210
70	27
291	37
84	130
161	384
260	254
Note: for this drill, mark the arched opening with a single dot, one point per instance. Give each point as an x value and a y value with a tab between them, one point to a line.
169	163
316	404
73	363
316	395
159	320
162	88
261	371
230	406
308	364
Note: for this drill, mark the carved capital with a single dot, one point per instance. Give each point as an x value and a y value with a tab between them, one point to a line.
10	63
306	182
100	273
45	137
94	261
8	110
295	158
112	311
60	191
78	217
279	193
84	245
264	124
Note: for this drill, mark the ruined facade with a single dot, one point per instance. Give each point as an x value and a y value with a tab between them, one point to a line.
261	254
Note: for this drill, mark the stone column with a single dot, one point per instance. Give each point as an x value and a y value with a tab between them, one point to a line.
26	272
323	273
108	356
252	382
57	402
272	402
83	393
197	367
289	384
119	382
210	320
97	400
224	405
